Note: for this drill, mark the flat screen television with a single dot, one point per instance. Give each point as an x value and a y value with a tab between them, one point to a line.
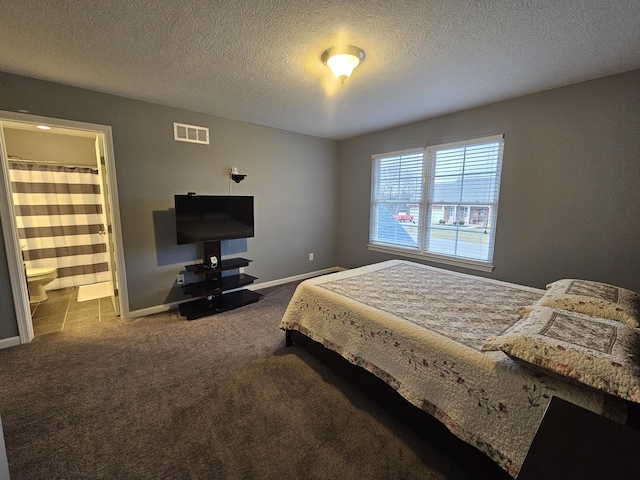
209	218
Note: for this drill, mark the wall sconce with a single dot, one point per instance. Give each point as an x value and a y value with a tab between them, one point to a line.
235	176
342	60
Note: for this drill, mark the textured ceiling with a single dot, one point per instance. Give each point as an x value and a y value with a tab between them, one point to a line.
259	60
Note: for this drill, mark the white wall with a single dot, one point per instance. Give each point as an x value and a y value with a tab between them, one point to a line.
50	147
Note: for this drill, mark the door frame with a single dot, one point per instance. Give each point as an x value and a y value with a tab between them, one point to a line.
108	221
9	226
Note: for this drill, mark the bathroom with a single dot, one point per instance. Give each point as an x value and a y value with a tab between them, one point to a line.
57	186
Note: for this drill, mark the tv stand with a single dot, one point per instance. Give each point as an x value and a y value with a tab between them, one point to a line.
211	286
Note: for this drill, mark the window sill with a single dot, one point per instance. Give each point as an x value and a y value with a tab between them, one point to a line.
453	261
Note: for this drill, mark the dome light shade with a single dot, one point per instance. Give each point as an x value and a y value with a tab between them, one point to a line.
342	60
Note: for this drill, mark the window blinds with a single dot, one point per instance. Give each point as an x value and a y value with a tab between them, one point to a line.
440	203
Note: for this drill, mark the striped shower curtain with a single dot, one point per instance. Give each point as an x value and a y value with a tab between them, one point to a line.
60	221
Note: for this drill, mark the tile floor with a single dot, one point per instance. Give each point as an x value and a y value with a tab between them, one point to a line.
62	311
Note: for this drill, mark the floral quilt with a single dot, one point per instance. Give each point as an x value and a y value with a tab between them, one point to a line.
421	330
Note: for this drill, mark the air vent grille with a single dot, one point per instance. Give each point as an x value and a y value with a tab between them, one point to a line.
190	133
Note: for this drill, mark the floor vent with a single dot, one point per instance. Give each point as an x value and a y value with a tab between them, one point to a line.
190	133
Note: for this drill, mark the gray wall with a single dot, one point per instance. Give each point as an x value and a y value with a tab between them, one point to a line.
570	190
569	203
292	177
8	325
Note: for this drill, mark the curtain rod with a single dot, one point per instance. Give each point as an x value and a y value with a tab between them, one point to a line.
48	162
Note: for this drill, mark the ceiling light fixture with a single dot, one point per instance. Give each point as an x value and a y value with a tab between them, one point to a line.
43	127
342	60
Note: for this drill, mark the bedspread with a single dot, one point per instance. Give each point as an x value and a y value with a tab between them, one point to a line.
421	329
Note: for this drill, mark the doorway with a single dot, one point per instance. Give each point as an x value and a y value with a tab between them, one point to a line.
87	253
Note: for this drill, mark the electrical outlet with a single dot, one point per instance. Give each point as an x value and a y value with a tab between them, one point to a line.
180	279
241	270
310	256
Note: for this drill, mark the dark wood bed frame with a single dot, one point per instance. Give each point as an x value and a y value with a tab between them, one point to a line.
426	425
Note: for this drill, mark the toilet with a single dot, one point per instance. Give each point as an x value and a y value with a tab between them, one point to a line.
37	278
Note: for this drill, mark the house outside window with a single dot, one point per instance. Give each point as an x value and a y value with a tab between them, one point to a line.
438	203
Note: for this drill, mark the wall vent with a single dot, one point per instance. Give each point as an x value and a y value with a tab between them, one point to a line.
190	133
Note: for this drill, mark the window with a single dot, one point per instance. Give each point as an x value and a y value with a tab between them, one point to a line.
449	194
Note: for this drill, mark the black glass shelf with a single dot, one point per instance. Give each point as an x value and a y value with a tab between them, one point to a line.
203	307
228	264
213	286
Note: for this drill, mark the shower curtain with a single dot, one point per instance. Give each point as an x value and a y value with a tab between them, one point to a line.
60	221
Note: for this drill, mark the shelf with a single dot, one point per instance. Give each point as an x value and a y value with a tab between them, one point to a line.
214	286
221	303
228	264
211	283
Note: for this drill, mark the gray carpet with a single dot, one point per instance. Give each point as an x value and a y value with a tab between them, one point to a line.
220	397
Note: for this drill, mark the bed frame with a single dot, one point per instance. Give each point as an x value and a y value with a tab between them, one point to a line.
424	424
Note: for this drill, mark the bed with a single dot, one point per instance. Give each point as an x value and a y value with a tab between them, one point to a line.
471	351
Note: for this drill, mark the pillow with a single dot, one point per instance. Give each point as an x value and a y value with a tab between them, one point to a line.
597	352
594	299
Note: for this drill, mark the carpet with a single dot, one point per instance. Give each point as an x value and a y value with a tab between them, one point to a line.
216	398
94	291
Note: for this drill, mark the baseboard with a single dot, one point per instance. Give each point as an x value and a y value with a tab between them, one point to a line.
9	342
295	278
256	286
